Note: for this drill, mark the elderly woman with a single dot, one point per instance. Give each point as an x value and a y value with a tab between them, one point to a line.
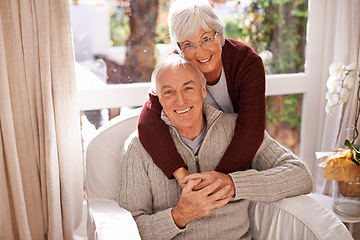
235	82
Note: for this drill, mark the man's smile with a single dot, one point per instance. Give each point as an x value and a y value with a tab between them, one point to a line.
183	111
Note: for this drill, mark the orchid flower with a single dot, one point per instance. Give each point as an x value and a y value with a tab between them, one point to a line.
340	82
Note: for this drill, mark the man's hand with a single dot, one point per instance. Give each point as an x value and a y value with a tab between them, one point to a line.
208	178
194	205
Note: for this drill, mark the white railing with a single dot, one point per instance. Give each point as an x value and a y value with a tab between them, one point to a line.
113	96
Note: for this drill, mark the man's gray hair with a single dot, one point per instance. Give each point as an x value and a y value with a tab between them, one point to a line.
187	17
174	60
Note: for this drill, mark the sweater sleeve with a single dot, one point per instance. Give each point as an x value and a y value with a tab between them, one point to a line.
135	196
276	173
246	87
156	139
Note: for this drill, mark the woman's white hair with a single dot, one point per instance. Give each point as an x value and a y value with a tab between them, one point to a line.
187	17
174	60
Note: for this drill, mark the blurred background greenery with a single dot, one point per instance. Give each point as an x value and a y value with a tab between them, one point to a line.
276	29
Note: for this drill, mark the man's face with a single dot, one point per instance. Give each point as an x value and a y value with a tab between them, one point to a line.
181	95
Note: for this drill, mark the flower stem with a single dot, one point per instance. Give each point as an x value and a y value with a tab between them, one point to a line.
356	133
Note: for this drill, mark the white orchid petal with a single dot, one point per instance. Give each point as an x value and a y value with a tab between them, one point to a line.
329	108
333	85
336	69
333	98
340	82
344	95
330	82
349	81
351	66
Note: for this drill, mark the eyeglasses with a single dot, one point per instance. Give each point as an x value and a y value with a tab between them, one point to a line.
204	43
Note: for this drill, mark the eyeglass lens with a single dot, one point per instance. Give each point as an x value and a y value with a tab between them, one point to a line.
204	43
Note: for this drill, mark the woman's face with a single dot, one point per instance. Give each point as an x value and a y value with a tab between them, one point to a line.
208	58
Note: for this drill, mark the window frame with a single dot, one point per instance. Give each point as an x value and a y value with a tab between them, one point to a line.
307	83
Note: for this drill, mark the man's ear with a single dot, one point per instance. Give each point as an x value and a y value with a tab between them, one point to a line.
203	89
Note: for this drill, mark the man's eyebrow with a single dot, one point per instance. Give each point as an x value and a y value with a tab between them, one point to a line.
166	86
189	82
185	84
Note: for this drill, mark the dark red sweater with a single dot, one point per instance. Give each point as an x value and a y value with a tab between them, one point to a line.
245	77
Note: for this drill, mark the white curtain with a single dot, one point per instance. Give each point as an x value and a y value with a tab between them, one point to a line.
342	44
41	169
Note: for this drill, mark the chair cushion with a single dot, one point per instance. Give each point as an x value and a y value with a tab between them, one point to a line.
103	155
303	217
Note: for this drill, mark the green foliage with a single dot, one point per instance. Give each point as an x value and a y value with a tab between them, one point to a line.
119	26
162	28
288	111
280	27
355	148
275	25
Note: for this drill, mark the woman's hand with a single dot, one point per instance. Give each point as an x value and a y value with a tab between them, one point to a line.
208	178
179	175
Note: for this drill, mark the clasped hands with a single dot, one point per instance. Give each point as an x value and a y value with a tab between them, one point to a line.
201	194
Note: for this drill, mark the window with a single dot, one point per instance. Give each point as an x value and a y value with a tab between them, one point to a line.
283	33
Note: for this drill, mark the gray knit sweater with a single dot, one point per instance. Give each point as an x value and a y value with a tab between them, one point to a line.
149	195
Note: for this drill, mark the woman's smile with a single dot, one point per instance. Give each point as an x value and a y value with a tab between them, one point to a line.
205	60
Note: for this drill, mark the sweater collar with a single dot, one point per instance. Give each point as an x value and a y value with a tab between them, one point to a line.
211	114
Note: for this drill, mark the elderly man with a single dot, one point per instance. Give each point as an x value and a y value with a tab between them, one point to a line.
211	205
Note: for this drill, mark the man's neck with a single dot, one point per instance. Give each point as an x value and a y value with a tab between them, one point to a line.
195	144
192	132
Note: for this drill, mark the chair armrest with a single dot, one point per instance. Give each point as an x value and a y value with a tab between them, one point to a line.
299	217
107	220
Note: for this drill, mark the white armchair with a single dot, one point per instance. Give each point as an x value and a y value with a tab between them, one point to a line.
298	217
